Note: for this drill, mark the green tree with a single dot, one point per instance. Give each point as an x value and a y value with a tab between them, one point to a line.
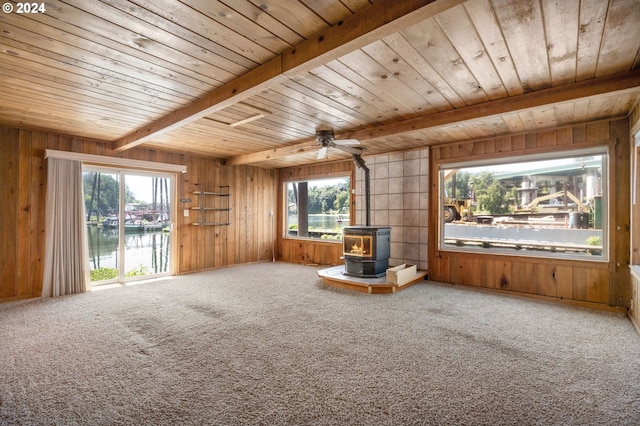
341	204
490	194
463	190
325	199
103	190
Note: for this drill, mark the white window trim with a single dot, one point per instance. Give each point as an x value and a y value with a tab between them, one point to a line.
104	160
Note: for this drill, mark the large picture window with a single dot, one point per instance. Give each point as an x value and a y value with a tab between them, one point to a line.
545	206
317	208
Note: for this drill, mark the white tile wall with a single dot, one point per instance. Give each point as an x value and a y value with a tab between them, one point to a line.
399	199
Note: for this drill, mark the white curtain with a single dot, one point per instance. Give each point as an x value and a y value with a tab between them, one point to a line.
66	267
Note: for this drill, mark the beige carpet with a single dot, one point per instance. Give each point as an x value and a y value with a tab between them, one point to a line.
270	344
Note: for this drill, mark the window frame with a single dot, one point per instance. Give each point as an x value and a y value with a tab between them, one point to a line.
284	207
607	177
635	172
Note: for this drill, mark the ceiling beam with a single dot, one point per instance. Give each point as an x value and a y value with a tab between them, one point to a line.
383	18
564	93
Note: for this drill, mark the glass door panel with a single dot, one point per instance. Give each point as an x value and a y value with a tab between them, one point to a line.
139	245
102	201
147	225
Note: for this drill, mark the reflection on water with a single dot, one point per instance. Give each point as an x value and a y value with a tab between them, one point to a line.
144	251
324	221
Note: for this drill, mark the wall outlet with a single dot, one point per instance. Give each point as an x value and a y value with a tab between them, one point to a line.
186	212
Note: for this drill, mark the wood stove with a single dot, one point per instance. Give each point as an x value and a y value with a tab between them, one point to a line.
366	251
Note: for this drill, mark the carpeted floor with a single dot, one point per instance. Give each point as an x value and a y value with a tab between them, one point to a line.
269	344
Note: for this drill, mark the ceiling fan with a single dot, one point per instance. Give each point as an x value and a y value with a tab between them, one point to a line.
326	140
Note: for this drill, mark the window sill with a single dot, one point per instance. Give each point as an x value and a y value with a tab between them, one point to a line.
314	240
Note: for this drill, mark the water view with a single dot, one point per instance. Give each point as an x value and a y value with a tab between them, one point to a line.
146	253
324	204
127	217
329	225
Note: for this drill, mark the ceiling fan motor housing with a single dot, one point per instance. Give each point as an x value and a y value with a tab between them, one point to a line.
324	137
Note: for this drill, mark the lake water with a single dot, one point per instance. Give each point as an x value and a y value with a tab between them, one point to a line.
324	221
143	250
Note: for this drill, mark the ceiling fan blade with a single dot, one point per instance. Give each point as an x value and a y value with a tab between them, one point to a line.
322	153
349	149
347	142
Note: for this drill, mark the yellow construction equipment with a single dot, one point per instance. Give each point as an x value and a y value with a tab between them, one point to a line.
564	195
457	209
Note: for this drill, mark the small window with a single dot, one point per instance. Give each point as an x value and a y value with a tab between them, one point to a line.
545	206
318	208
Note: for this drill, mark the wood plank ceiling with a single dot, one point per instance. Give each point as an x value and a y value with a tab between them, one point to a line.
252	80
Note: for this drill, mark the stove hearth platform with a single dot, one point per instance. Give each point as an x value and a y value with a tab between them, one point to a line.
336	277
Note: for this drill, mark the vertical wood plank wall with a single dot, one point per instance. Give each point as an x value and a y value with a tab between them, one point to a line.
303	250
23	187
583	282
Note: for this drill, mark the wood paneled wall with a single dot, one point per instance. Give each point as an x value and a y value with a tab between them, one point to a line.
304	250
23	187
588	283
249	236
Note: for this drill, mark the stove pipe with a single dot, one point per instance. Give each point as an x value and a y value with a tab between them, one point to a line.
359	162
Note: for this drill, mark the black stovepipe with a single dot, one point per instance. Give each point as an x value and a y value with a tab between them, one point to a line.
359	162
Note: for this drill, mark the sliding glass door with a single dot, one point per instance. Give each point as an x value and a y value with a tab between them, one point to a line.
129	220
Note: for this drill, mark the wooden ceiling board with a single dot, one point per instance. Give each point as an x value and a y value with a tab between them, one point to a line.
15	117
560	21
320	109
330	11
407	83
359	105
581	110
591	28
545	116
411	55
240	32
384	105
619	46
47	38
624	103
76	37
461	32
513	122
262	18
306	122
486	26
17	79
356	6
296	15
434	46
120	29
377	79
523	30
204	51
403	71
425	72
564	112
94	66
34	100
143	31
